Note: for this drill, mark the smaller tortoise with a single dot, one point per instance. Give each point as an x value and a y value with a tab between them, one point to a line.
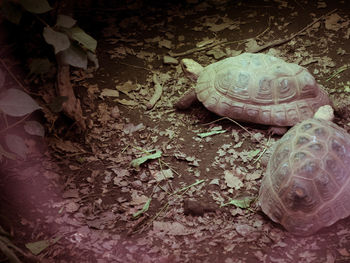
307	181
255	88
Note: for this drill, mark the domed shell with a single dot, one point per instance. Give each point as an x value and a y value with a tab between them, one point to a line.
260	88
307	182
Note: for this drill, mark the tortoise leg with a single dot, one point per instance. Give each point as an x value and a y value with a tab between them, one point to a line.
277	130
186	100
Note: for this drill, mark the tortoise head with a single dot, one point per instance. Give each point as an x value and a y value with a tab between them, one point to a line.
191	68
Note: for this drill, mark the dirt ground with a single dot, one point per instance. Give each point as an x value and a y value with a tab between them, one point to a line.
88	194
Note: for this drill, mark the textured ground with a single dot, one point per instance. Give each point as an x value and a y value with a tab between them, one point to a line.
84	190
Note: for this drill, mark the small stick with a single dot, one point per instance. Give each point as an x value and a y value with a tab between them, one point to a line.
158	89
197	49
271	44
282	41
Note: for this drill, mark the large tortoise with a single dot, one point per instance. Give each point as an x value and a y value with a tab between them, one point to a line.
307	182
256	88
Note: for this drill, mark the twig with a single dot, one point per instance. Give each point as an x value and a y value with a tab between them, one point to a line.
158	89
134	66
189	186
11	256
166	205
15	124
262	153
268	45
162	171
235	122
197	49
338	71
15	78
282	41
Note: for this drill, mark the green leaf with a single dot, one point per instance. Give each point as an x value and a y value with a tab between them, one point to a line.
144	208
11	12
206	134
34	128
8	155
36	6
241	202
65	21
16	145
75	57
58	40
82	38
37	247
17	103
137	162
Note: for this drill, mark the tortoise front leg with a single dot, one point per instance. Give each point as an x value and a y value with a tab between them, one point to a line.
186	100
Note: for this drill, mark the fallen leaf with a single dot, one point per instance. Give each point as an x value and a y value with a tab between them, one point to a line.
165	43
37	247
171	228
109	93
137	162
243	202
344	252
232	181
144	208
251	45
163	175
126	102
126	87
335	22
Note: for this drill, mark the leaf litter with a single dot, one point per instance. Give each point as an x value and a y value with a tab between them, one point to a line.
125	204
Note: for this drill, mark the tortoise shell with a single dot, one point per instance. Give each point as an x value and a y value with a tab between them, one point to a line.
260	88
307	182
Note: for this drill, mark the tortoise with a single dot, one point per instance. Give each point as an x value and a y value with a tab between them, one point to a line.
255	88
307	182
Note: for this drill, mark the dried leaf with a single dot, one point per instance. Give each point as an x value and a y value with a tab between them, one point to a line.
232	181
251	45
126	102
163	175
109	93
37	247
241	202
333	22
171	228
126	87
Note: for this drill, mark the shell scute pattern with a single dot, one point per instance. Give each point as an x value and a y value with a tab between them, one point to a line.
307	182
267	90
